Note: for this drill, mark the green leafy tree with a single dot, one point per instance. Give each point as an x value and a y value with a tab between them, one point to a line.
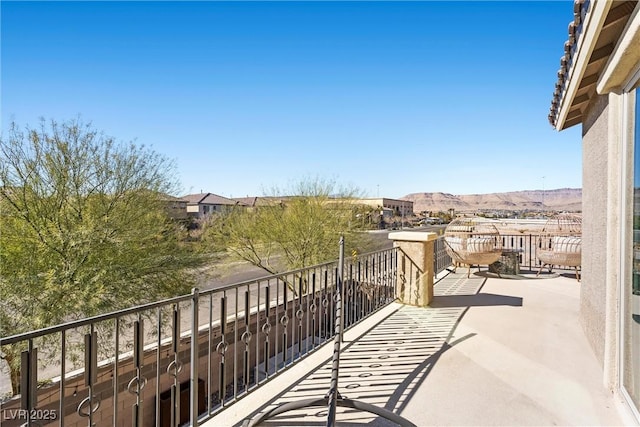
296	230
83	228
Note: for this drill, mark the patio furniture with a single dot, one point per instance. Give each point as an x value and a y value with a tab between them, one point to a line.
509	262
560	243
473	241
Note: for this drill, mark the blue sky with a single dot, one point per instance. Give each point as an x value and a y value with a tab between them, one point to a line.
389	97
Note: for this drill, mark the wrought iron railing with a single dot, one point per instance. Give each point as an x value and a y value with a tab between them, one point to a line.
526	247
151	366
441	258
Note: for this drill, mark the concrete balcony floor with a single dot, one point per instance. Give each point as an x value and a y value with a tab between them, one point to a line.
488	351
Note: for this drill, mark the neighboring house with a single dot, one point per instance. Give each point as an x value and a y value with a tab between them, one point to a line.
249	202
598	89
203	204
398	207
176	207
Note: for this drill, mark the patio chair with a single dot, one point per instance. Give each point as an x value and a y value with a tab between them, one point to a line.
560	243
473	241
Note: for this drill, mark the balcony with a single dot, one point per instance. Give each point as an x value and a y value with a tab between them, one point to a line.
488	350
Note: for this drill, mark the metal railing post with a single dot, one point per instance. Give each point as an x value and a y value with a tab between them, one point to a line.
29	380
530	250
91	403
194	358
137	384
333	394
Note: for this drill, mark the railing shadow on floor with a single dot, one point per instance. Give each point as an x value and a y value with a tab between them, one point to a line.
385	365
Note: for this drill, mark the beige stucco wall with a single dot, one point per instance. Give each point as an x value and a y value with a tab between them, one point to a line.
594	229
602	221
631	334
415	276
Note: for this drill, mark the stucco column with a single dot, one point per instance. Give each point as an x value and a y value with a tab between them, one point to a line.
414	285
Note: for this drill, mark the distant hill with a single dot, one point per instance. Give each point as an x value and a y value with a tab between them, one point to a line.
563	199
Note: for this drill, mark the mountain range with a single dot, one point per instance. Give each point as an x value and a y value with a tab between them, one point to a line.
563	199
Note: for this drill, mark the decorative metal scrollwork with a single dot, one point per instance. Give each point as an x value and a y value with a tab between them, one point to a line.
222	347
284	320
174	368
266	328
88	406
139	382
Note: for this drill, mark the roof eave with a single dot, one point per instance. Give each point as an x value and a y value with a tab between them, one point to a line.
594	21
625	60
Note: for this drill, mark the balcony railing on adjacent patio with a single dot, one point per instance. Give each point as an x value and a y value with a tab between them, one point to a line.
150	366
526	246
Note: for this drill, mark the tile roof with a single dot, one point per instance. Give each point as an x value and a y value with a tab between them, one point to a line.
616	18
580	8
262	200
248	201
209	199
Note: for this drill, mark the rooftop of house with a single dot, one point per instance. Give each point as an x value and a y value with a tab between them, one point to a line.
209	199
385	199
261	200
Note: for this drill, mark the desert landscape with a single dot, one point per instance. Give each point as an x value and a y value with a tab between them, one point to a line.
563	199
